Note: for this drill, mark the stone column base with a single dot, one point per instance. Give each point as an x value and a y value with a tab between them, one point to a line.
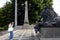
26	26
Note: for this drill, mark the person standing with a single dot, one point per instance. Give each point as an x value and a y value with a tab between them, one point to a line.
36	27
10	29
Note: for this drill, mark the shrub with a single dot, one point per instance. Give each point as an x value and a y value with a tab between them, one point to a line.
4	28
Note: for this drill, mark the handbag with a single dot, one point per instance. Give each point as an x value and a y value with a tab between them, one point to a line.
10	29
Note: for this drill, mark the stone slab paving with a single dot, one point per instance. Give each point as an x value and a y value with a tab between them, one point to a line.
29	34
16	35
25	34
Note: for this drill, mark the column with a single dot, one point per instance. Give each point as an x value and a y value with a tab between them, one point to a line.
15	13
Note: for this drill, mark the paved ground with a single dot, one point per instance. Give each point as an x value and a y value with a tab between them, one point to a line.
26	34
29	34
21	35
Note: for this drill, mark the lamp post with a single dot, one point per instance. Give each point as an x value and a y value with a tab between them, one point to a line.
15	13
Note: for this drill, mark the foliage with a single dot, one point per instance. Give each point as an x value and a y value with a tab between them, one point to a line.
4	28
6	15
36	7
34	10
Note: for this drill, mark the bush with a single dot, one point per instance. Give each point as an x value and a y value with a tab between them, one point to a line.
1	28
4	28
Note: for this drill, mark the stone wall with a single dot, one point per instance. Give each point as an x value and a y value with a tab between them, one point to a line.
50	32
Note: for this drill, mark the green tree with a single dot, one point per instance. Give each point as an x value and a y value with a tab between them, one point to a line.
7	12
34	9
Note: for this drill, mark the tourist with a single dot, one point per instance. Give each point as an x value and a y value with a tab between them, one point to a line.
36	27
10	29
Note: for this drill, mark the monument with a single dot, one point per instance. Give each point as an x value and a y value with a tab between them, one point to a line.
26	21
50	18
50	26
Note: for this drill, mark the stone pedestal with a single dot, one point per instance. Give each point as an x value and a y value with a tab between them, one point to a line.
50	32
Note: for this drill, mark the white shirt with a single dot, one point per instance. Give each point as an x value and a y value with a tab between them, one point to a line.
10	27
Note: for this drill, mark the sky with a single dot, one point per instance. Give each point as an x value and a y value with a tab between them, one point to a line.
56	5
2	2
